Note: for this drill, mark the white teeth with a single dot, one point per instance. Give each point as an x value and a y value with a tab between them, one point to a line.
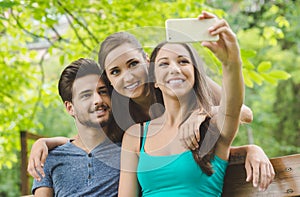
99	111
175	81
132	86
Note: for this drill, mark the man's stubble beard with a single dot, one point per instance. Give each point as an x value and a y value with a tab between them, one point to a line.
101	126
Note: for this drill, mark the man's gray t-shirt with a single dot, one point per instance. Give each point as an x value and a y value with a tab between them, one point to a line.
70	171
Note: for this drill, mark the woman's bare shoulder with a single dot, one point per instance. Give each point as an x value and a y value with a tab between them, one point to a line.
131	138
133	131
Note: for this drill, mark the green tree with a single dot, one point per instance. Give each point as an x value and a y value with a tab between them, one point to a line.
275	27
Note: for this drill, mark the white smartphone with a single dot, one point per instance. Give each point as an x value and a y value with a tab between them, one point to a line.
189	30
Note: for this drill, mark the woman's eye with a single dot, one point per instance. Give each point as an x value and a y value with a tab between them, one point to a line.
134	63
114	72
184	62
163	64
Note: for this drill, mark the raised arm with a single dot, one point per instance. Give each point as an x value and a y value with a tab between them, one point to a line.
39	153
226	49
128	185
258	166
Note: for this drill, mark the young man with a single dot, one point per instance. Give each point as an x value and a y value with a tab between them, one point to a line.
88	165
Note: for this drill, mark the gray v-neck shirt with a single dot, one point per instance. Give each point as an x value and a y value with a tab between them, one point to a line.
70	171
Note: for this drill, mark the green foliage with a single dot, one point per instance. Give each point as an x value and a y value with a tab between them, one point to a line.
274	35
9	179
38	38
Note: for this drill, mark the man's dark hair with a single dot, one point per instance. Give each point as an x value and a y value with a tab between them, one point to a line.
75	70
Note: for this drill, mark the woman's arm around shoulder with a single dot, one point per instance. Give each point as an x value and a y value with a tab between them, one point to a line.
259	169
39	153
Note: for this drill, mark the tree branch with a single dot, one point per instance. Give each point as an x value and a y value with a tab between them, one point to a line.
76	33
59	37
33	34
39	97
79	22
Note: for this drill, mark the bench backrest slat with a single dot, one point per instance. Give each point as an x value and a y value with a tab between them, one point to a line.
286	182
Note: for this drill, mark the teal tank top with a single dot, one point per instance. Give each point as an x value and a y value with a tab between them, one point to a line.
178	175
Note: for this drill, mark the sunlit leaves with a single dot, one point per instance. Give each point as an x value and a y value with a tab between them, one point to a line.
282	22
272	11
264	66
246	55
279	74
7	4
263	73
247	80
272	34
256	77
251	39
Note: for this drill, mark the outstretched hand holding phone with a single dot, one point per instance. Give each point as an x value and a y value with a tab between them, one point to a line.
190	30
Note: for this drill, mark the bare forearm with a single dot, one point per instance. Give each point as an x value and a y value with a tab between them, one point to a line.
238	154
54	141
216	91
233	90
44	192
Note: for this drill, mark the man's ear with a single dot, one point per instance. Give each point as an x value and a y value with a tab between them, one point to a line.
69	107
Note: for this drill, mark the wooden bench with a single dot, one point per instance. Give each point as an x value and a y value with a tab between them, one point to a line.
286	182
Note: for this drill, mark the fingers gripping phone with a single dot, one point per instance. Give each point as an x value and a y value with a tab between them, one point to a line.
189	30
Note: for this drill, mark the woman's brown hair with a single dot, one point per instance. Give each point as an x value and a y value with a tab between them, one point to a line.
203	101
125	110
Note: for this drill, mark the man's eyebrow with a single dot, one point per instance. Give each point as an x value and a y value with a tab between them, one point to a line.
102	87
85	91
